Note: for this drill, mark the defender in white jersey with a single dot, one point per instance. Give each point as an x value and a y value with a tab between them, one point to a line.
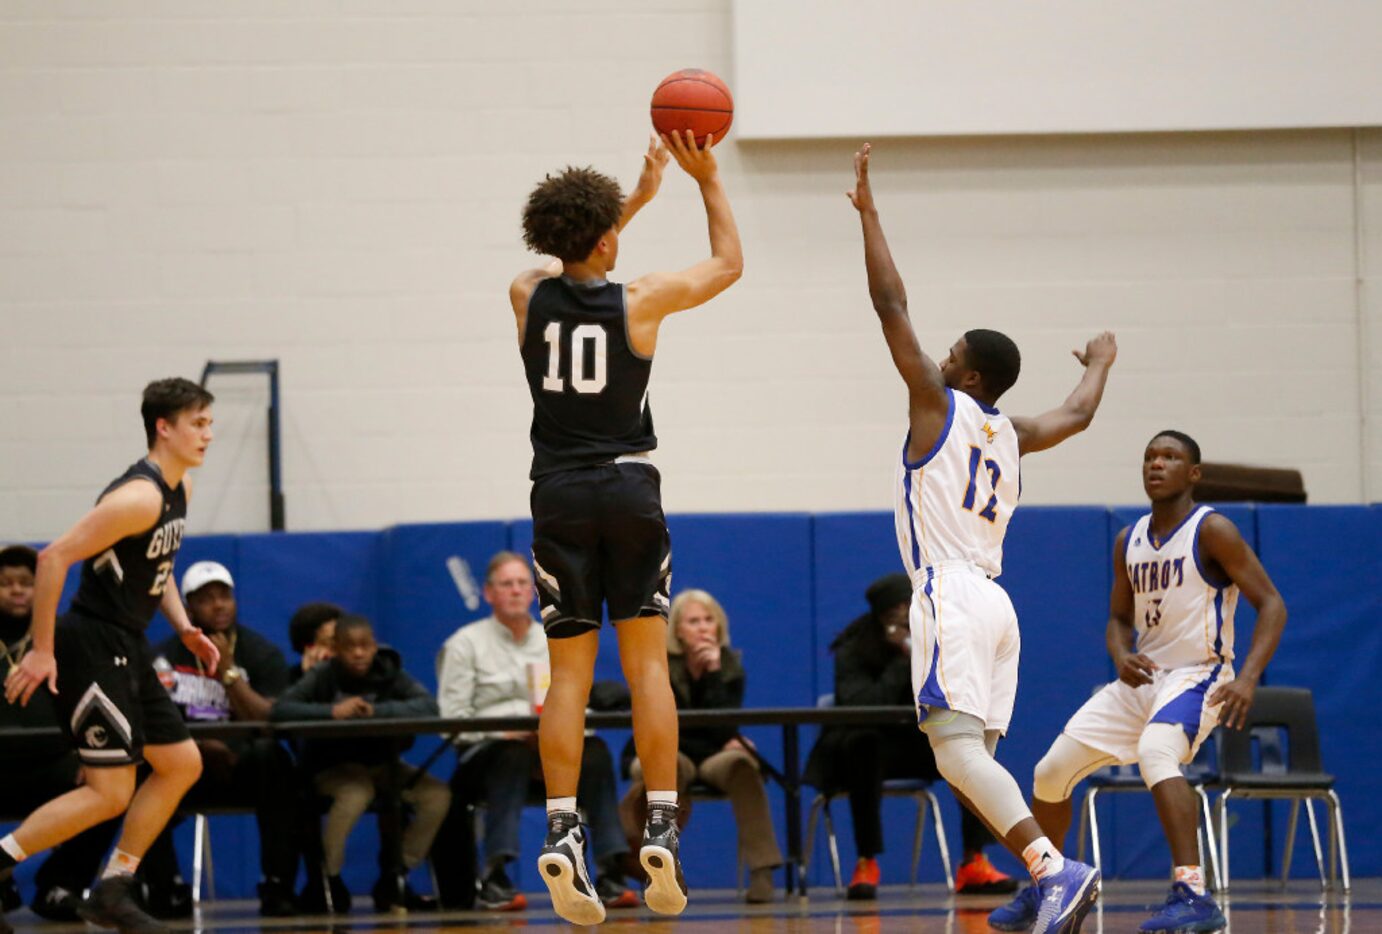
957	487
1177	575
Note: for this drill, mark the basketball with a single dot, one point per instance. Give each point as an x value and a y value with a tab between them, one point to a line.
695	100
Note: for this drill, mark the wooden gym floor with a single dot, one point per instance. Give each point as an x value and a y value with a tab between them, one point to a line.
1253	908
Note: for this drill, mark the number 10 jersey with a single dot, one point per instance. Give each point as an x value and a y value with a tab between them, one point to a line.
953	505
589	385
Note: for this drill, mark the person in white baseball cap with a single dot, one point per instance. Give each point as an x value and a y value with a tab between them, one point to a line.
253	772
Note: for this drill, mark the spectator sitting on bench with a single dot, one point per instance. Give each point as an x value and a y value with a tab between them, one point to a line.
707	674
497	667
364	679
34	769
250	772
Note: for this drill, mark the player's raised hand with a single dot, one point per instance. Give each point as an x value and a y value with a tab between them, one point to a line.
199	645
698	163
1135	669
34	668
862	195
654	161
1102	349
1236	696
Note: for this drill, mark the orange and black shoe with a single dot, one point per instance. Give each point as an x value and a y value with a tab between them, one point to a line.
976	876
863	885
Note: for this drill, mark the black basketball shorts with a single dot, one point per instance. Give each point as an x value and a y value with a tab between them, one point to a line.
600	539
109	699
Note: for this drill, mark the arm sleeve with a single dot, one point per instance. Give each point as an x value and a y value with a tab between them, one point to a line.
269	675
410	700
456	679
856	686
298	702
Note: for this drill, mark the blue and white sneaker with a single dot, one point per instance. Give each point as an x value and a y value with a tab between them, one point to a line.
562	867
1020	913
1066	897
1186	913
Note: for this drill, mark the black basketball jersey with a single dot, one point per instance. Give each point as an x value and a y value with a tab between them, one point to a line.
124	584
589	386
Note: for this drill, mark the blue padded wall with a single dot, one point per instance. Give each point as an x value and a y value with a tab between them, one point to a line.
790	582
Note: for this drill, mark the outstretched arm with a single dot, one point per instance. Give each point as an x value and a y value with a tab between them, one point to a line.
1223	545
657	295
654	161
1074	415
925	386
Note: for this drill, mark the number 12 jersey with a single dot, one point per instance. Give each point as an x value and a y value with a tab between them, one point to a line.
954	503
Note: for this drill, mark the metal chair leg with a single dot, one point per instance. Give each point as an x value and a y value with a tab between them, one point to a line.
1209	838
1289	847
834	849
1315	838
199	850
1337	811
810	843
1090	799
918	837
1084	827
941	842
1223	838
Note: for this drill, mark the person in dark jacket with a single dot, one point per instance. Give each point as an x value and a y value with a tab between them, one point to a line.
873	668
248	772
707	674
365	679
34	768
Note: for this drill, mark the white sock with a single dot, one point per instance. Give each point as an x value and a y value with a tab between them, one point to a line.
1192	876
561	804
121	864
663	797
12	847
1043	859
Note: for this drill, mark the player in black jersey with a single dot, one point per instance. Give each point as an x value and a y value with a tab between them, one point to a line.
97	661
600	542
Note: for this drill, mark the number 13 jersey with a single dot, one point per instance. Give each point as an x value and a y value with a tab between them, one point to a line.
589	386
955	502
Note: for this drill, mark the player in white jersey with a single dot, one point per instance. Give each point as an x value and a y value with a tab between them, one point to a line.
1177	575
957	488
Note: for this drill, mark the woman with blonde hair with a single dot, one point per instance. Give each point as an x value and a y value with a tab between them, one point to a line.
707	674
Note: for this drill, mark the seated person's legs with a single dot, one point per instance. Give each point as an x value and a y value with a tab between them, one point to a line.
497	774
351	790
735	772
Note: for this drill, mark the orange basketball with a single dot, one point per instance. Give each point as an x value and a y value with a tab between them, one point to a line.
695	100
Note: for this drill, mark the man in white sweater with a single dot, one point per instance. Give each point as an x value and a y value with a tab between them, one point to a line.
497	667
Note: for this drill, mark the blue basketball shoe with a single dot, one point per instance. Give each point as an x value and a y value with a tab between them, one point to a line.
1186	913
1020	913
1066	897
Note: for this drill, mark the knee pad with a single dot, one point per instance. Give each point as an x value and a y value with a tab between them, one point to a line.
1060	770
964	760
1160	752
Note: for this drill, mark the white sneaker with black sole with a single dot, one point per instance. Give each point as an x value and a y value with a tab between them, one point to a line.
562	866
660	858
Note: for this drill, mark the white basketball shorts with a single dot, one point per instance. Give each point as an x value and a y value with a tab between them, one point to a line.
964	644
1112	720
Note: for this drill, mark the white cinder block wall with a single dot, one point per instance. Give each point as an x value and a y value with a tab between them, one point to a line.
337	184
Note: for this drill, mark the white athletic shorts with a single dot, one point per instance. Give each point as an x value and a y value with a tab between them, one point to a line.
964	644
1112	720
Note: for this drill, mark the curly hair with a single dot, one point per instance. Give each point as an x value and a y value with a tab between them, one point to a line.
567	214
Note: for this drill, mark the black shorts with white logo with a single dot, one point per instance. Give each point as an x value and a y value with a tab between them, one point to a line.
109	698
600	539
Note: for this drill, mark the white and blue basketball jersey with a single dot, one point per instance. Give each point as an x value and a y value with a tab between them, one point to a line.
955	502
1181	616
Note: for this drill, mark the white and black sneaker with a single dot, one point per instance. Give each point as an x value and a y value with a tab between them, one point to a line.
562	866
659	856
